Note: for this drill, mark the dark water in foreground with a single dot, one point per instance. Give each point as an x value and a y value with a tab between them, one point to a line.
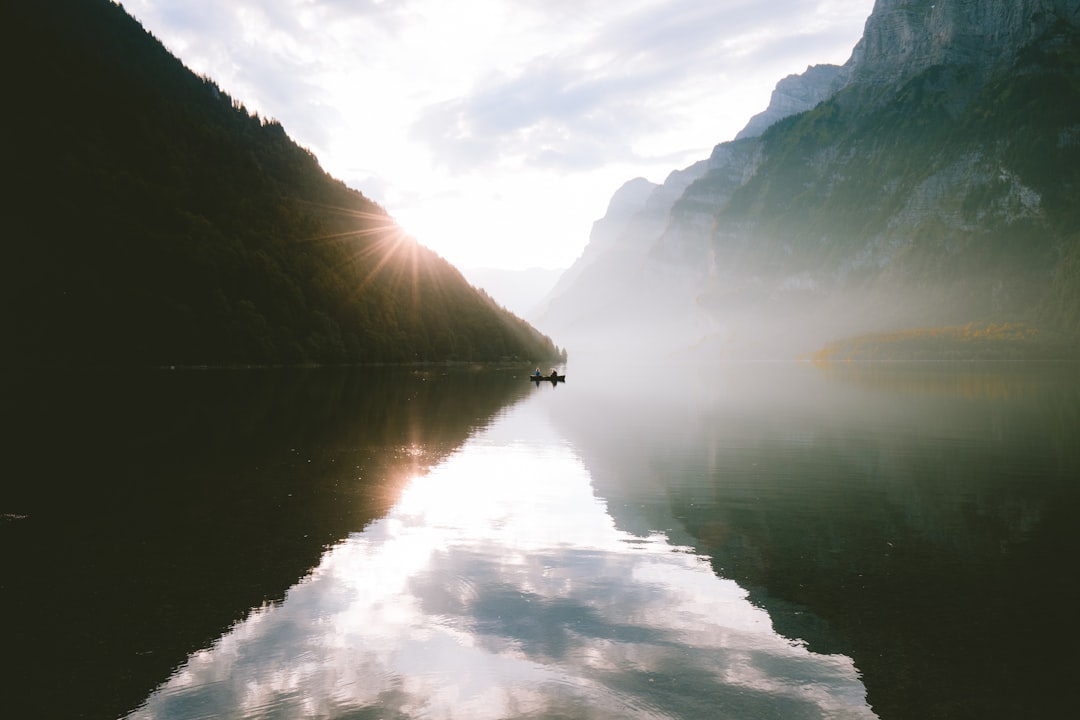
784	542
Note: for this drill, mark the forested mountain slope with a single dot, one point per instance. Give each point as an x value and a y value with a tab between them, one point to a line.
154	220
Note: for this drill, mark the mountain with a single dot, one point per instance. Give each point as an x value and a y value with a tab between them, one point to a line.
926	186
153	221
795	94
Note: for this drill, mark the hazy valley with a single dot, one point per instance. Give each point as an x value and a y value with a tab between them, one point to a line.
926	186
272	456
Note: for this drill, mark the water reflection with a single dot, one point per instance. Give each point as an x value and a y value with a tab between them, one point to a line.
919	519
143	514
400	545
499	586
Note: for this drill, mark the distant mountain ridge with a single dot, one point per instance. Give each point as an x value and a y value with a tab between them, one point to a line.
155	221
932	184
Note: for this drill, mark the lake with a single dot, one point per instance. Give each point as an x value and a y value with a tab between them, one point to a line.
747	542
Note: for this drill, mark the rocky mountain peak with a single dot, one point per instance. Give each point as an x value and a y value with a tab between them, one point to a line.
794	94
904	37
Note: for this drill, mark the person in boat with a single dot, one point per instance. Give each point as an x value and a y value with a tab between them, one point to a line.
537	373
554	372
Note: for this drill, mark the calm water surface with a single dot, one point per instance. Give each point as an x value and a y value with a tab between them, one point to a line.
783	542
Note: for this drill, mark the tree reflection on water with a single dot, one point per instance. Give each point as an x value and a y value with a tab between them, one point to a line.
499	587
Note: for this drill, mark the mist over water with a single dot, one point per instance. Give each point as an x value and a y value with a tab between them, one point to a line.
653	313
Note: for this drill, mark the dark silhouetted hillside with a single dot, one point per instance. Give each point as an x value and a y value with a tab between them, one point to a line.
154	220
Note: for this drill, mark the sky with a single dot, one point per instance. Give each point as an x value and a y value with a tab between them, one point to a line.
496	131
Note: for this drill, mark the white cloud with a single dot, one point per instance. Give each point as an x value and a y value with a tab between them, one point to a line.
498	586
435	108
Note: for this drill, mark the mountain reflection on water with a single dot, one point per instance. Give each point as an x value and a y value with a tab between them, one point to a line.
498	587
748	542
142	514
919	519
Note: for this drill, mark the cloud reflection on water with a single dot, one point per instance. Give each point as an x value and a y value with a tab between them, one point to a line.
500	587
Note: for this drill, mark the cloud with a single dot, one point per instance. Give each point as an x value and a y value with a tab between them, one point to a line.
277	57
479	598
633	73
550	115
197	18
423	94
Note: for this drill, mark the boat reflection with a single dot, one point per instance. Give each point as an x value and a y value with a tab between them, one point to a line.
499	586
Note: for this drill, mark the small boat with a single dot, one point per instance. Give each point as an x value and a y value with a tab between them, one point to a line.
552	378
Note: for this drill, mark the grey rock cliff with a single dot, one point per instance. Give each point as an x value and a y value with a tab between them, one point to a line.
904	37
794	94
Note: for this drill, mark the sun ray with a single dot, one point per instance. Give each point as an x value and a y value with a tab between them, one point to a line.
384	253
